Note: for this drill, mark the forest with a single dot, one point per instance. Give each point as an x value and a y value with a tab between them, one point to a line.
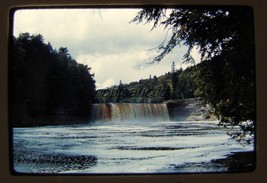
48	83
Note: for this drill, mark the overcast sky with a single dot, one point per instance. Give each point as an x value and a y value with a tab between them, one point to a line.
103	39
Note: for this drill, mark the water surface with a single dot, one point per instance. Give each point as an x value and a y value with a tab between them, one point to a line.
123	147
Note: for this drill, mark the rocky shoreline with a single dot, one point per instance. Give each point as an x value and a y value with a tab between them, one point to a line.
192	109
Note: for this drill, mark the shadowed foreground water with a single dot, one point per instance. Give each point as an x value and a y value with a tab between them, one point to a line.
105	147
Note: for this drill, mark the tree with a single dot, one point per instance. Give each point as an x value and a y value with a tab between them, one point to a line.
225	39
174	80
44	81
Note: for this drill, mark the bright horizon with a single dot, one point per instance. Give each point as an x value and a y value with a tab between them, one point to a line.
103	39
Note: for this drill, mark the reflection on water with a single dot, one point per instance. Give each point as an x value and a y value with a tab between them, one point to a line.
123	147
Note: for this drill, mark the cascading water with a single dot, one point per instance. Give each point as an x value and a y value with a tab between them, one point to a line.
101	112
130	112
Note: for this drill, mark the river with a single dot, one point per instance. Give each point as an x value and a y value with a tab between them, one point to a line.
124	147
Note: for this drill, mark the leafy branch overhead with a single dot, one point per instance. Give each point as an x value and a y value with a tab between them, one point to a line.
214	31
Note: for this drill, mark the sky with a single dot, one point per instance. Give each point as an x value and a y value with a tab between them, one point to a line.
103	39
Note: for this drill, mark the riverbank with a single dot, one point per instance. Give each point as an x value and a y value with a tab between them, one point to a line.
192	109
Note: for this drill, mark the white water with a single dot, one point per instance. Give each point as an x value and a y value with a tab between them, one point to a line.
130	112
155	147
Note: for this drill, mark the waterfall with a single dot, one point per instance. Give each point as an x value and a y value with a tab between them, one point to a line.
130	112
101	112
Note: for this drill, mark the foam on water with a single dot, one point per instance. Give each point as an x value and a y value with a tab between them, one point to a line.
128	147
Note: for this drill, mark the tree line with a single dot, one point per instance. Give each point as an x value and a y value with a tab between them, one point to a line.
46	82
171	85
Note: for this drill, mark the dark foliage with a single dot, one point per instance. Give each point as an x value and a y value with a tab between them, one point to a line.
46	82
225	38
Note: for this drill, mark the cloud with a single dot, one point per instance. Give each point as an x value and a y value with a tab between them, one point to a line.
103	39
87	30
195	54
123	66
109	82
